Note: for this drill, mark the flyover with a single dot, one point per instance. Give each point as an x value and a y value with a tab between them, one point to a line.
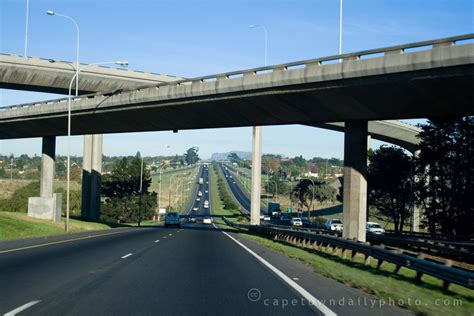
425	79
53	76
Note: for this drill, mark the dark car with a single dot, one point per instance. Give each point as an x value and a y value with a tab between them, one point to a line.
306	223
172	219
285	219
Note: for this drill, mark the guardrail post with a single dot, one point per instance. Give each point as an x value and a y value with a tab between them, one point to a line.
367	260
380	263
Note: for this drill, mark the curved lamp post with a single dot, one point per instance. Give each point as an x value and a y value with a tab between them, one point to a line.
122	63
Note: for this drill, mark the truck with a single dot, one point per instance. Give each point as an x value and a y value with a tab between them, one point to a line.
274	209
201	181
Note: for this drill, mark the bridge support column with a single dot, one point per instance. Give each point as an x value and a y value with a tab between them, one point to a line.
86	177
96	178
48	204
355	179
256	175
48	158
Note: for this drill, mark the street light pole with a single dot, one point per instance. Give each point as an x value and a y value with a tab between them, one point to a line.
340	27
123	63
26	28
77	44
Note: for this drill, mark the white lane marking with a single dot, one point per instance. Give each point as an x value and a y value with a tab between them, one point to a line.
157	240
127	255
21	308
310	298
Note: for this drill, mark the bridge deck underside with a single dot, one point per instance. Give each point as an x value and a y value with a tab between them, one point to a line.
416	94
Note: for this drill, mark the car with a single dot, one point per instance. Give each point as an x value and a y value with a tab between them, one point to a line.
374	228
198	199
206	204
262	216
207	220
334	225
285	219
266	218
199	193
172	219
306	223
195	209
206	191
296	221
192	219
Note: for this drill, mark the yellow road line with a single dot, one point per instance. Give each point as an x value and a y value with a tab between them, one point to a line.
63	241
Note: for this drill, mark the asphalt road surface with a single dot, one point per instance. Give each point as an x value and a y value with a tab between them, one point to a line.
194	270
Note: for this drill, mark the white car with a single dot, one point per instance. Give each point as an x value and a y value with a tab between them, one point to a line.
296	221
199	193
334	224
207	220
266	218
206	191
195	209
374	228
206	204
198	199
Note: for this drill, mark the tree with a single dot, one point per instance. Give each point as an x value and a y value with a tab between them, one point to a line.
191	156
324	192
276	185
270	163
302	194
445	175
124	200
390	183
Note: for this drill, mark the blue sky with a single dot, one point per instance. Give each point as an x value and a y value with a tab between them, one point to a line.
192	38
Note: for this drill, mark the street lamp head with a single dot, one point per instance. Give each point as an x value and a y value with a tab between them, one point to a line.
50	12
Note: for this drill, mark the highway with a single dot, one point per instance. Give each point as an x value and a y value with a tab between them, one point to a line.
197	269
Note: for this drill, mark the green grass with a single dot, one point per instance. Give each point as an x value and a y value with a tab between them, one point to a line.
19	226
217	206
383	283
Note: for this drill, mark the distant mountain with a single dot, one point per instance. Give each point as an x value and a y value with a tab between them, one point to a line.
223	156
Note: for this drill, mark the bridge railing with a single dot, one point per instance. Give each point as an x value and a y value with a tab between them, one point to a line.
319	241
365	54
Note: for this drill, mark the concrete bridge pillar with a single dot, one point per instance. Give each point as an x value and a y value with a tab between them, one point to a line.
91	177
355	179
256	175
48	158
48	204
96	177
86	177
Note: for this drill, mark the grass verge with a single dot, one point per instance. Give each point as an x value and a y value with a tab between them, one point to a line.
19	226
426	298
217	206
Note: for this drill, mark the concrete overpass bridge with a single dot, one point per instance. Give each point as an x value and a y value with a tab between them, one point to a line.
425	79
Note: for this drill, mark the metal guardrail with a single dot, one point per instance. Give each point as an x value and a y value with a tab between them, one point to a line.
445	249
398	49
318	241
